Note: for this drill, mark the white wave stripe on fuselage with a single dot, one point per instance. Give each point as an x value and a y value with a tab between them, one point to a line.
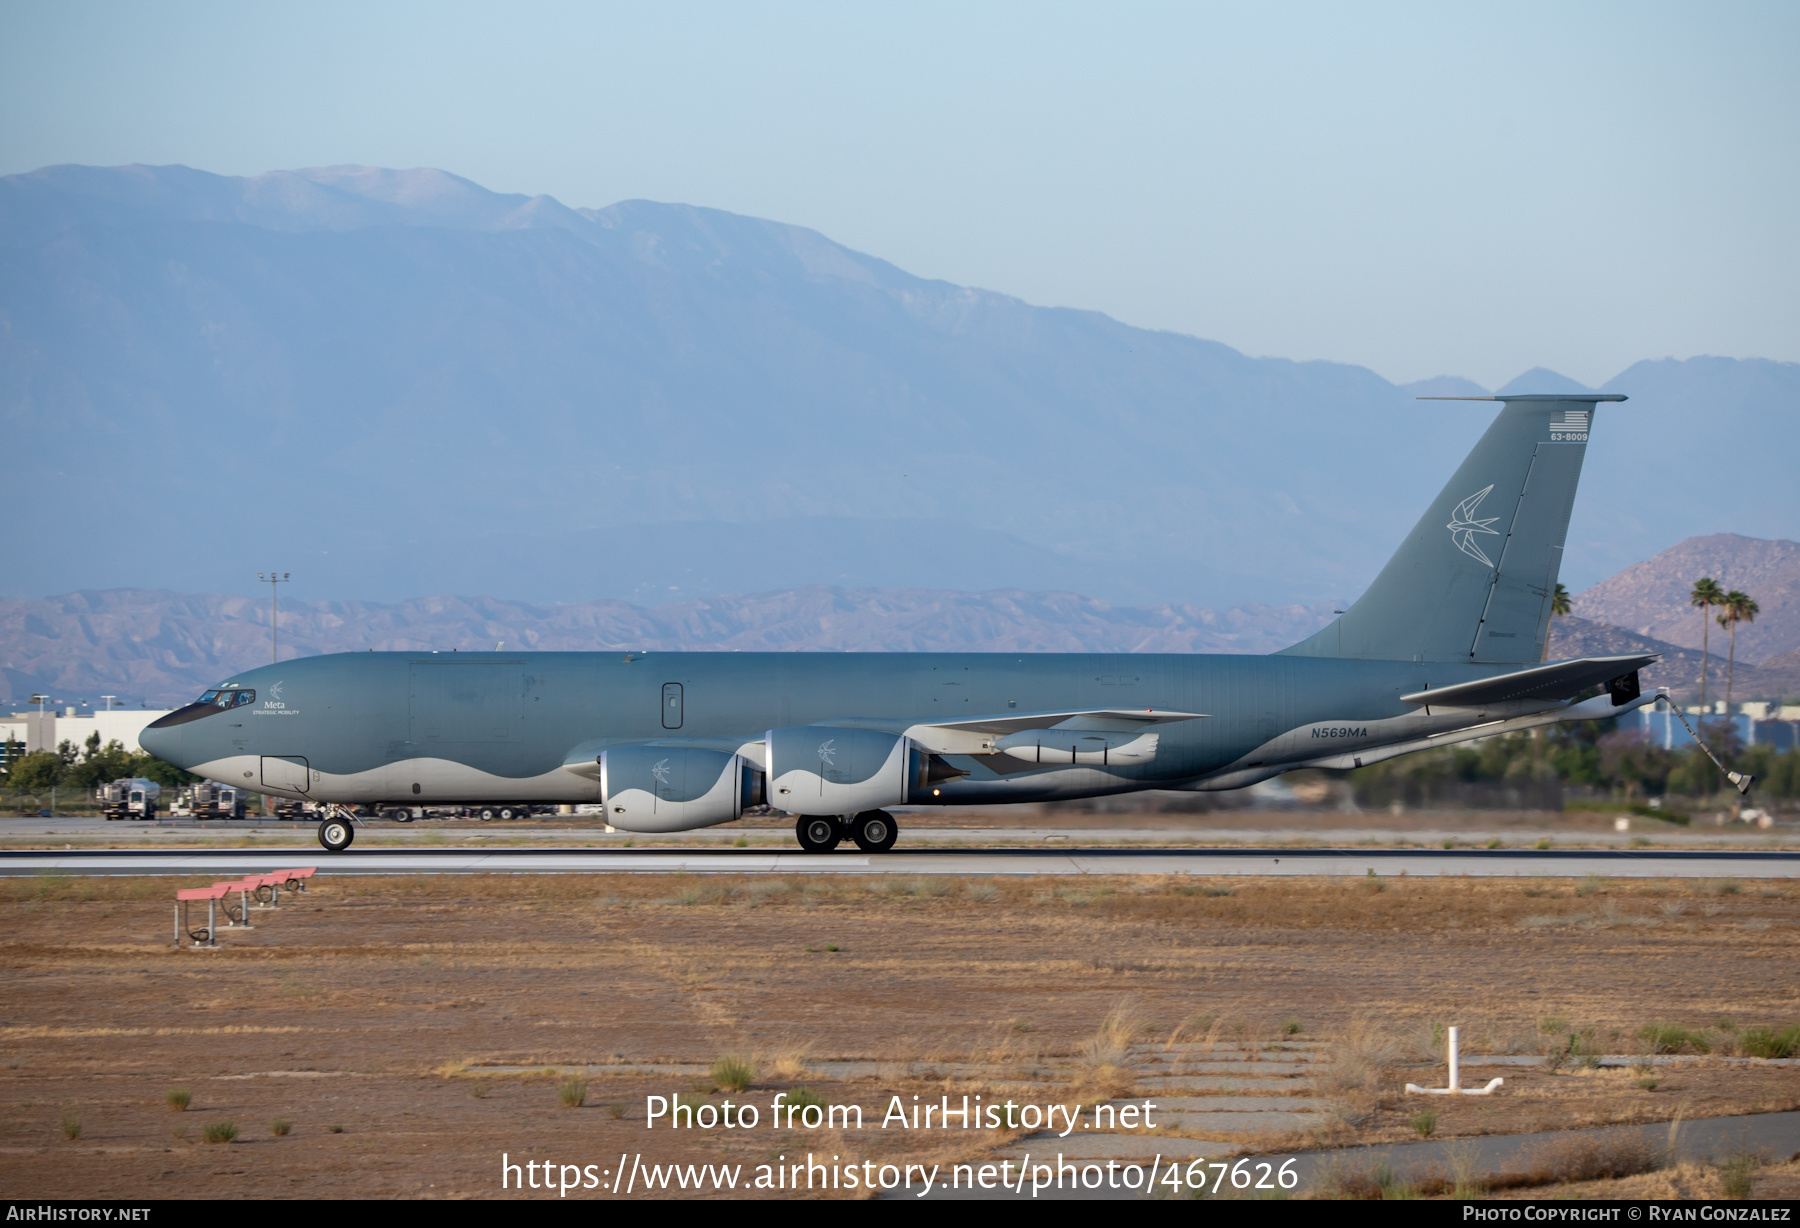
441	782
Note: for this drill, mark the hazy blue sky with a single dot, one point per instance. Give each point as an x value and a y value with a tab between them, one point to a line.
1422	189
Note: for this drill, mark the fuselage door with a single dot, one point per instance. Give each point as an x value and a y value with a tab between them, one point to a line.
671	705
288	772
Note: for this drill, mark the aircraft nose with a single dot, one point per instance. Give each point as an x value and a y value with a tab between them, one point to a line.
165	741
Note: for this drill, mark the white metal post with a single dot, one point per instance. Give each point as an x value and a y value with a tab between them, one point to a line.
1456	1088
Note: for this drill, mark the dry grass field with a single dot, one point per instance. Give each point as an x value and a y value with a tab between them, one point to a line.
411	1030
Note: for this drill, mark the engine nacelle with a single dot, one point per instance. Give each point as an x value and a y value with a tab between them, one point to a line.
816	769
676	788
1080	746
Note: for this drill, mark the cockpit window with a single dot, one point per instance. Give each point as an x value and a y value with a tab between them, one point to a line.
227	699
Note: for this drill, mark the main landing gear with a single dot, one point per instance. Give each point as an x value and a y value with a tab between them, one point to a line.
873	830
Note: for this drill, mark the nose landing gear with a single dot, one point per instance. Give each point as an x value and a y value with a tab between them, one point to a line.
336	830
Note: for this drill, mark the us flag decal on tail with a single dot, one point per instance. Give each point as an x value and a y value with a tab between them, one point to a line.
1570	426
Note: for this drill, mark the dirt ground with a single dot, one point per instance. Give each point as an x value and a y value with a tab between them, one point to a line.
1772	1181
370	1014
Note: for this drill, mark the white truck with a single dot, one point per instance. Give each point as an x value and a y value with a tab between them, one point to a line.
128	798
209	800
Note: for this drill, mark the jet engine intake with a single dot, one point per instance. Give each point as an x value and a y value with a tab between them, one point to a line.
1080	746
676	788
818	769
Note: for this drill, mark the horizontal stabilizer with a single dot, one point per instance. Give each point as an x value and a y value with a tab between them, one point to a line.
1558	680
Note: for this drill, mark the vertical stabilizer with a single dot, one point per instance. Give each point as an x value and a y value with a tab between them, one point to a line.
1473	580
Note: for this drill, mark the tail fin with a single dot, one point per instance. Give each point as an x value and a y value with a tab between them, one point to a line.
1472	582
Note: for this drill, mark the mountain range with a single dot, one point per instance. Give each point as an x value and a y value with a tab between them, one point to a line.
397	382
162	647
1652	597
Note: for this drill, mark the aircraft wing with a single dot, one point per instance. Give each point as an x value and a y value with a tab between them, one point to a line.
978	735
1557	680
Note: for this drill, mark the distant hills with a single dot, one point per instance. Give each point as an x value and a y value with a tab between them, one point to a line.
165	647
397	382
1651	597
1679	669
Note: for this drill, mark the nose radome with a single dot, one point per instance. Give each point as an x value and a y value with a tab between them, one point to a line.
163	741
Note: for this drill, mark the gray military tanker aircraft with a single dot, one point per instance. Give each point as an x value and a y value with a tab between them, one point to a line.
1445	646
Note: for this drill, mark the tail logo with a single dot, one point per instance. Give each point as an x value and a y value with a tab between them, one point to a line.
1464	526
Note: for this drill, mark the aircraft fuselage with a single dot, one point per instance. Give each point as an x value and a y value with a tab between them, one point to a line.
449	728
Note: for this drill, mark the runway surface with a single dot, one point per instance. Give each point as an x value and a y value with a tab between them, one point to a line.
1299	835
1554	863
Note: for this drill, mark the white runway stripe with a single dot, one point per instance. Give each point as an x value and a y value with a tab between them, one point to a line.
1266	863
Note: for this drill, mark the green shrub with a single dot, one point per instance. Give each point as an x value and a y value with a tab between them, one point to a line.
1738	1175
178	1099
1673	1038
1767	1042
219	1131
732	1072
1424	1123
1393	1189
281	1127
71	1124
572	1091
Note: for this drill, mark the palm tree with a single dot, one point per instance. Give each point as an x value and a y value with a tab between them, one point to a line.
1559	608
1706	594
1738	609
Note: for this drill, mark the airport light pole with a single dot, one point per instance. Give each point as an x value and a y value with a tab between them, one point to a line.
271	579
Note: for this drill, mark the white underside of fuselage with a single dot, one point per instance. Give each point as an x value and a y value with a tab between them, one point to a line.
428	781
417	782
